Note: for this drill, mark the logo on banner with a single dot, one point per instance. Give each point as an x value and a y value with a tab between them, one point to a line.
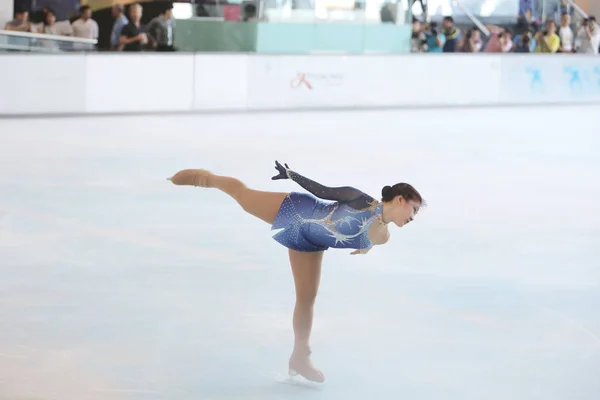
574	78
310	80
597	72
535	75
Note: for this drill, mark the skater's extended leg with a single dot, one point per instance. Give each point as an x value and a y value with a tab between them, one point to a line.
263	205
306	268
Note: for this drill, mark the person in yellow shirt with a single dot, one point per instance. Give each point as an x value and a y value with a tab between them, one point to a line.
549	41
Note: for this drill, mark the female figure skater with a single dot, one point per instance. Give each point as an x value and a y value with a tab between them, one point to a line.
308	226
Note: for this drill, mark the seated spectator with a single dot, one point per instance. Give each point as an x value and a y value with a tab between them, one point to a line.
21	22
564	7
565	33
579	33
525	42
434	39
161	30
590	38
85	27
452	35
547	41
120	21
418	40
133	37
500	40
525	11
51	27
471	42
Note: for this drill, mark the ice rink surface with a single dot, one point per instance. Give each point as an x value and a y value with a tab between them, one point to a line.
116	284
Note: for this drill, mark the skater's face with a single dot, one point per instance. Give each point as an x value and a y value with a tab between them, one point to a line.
404	211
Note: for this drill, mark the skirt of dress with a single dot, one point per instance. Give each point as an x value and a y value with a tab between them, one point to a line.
294	232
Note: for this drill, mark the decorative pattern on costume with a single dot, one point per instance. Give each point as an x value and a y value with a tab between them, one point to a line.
310	224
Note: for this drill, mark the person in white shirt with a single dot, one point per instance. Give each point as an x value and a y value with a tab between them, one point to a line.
51	27
85	27
590	38
566	34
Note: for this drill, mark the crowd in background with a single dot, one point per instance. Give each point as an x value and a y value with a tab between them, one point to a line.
530	37
127	34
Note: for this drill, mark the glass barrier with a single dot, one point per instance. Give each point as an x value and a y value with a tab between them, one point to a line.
11	41
497	12
300	11
297	27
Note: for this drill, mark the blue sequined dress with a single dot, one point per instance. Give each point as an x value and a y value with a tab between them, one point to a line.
306	222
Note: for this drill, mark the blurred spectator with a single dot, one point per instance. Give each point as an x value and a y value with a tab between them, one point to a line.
121	20
85	27
579	34
471	41
418	41
161	30
51	27
590	38
565	33
547	41
524	42
451	34
133	37
21	21
526	11
434	39
563	7
500	40
249	12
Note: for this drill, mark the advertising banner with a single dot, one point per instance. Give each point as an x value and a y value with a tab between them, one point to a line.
220	81
540	79
290	82
372	81
139	83
40	84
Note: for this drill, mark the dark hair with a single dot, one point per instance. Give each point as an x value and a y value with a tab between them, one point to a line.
20	9
83	9
449	19
388	193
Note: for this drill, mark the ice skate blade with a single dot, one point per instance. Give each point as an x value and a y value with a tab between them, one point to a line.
293	373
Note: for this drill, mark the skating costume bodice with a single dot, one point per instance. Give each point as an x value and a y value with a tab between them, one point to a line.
308	223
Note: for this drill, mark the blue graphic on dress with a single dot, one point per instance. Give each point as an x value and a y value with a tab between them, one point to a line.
311	224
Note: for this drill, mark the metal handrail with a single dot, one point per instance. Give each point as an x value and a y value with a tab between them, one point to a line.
578	9
473	18
57	38
25	48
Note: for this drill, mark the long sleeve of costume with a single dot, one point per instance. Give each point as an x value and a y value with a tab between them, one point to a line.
345	194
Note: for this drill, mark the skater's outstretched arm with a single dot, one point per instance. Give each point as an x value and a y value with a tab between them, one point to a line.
345	194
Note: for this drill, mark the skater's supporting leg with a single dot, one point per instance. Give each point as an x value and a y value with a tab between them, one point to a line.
306	268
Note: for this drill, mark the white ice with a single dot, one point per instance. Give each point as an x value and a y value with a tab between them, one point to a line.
116	284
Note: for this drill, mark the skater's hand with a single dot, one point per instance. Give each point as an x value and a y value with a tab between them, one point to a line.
360	251
282	171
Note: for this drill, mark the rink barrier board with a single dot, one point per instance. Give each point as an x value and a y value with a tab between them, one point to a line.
82	84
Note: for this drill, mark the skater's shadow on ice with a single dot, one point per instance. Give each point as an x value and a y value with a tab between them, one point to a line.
278	389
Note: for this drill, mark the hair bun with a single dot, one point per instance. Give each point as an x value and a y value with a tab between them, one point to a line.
387	193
